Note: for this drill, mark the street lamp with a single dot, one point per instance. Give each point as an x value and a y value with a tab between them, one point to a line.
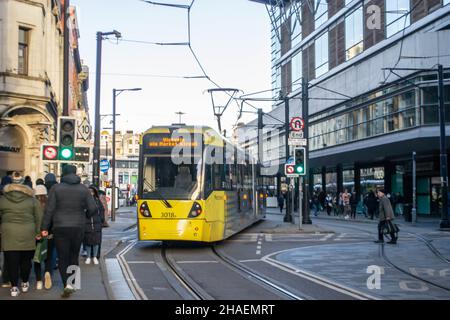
116	93
96	164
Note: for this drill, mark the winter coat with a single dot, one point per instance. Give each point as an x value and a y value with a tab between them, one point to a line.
371	203
20	218
93	229
68	204
385	209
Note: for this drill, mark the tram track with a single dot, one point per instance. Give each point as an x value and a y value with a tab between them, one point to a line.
420	238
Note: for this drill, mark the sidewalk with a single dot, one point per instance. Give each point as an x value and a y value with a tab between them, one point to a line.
92	279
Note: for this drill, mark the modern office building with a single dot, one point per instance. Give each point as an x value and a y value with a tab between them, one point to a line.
365	120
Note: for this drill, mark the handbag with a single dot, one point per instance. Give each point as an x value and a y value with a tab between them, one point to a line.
389	227
40	254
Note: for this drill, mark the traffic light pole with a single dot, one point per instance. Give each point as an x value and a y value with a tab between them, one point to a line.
96	162
445	222
113	162
288	215
305	107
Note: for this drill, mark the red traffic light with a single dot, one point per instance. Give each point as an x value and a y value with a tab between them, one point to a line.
50	153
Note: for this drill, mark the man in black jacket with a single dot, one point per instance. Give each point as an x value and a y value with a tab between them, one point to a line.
68	205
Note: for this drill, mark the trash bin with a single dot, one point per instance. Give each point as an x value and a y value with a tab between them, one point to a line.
407	212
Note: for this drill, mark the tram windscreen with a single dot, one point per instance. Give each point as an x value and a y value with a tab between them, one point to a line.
163	179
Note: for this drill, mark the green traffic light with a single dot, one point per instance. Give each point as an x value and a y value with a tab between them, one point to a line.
66	153
299	169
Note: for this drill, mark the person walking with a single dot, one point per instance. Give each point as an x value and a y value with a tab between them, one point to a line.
69	204
329	204
40	192
353	205
371	204
281	202
93	229
346	204
104	201
20	216
50	181
386	216
27	181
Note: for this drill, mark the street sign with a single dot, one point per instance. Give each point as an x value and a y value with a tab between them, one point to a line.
84	130
50	153
297	124
289	171
291	160
104	165
296	135
298	142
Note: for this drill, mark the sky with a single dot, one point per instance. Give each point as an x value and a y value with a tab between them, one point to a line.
231	39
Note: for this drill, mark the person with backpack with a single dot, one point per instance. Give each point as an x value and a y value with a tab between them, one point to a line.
69	204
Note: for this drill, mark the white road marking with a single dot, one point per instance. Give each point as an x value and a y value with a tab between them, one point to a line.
187	262
250	260
327	237
268	237
314	277
140	262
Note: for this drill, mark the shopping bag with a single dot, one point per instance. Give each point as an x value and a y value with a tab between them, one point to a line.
40	254
390	227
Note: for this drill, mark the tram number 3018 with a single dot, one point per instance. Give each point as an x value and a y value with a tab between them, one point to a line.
168	215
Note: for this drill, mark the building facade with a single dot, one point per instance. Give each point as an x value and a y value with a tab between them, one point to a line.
127	159
31	83
365	121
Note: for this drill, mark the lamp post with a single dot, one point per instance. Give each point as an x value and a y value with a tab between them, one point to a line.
96	162
116	93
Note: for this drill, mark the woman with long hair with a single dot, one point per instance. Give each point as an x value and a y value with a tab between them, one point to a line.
93	229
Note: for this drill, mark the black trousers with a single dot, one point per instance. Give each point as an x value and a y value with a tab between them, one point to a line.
48	261
68	242
18	263
380	232
371	213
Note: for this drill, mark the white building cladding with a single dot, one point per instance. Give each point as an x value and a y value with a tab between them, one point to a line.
341	48
30	81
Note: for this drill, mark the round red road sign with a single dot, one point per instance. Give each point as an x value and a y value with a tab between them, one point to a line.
297	124
50	153
290	169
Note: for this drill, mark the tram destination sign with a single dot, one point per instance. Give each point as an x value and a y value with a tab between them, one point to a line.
163	143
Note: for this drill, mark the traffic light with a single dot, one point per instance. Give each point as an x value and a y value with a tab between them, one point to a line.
49	153
300	161
67	130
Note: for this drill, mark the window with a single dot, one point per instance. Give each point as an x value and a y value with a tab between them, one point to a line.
130	151
396	16
321	12
322	54
23	51
446	2
130	141
354	33
296	71
296	29
136	151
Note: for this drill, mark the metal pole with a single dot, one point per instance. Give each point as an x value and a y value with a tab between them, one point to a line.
260	142
445	222
113	164
300	209
66	59
288	216
96	162
305	106
293	199
414	210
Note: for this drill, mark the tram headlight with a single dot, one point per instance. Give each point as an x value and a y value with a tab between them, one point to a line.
196	210
145	210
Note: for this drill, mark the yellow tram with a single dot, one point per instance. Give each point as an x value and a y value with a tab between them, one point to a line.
195	185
